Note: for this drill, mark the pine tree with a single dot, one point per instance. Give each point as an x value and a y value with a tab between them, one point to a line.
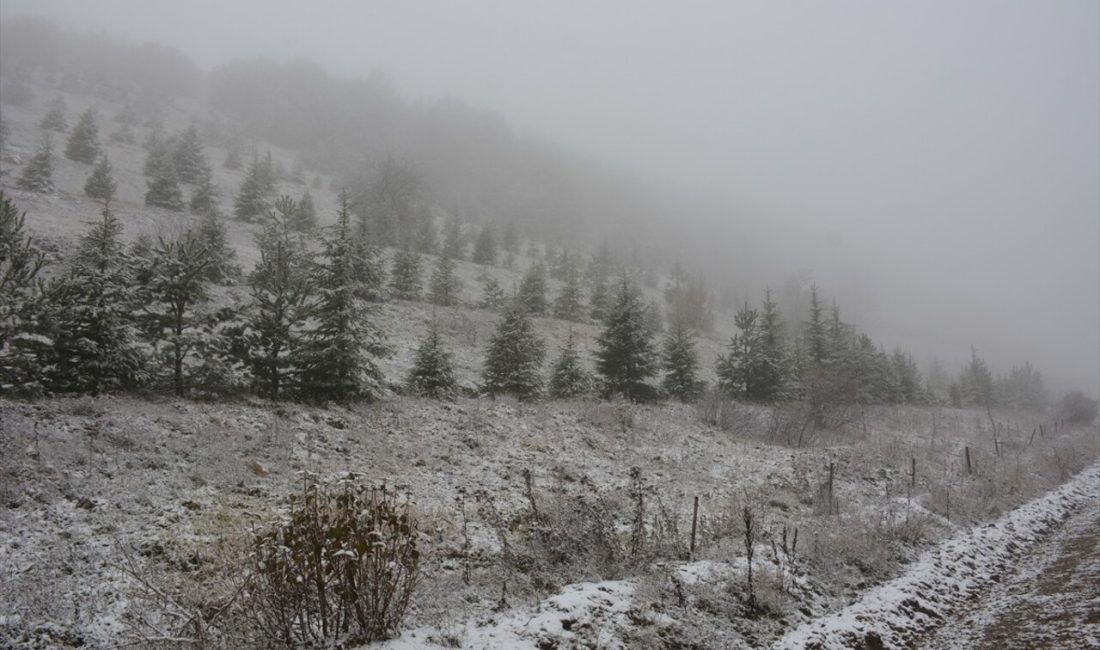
267	175
626	357
681	364
370	270
37	176
124	135
492	295
772	368
445	285
816	342
20	263
599	303
509	240
654	318
233	159
212	233
164	192
298	172
426	237
453	244
101	184
87	318
601	267
54	119
567	306
485	247
514	359
159	158
188	158
737	369
977	382
204	199
252	201
175	288
281	287
568	378
532	290
83	145
908	388
305	216
432	374
338	361
405	282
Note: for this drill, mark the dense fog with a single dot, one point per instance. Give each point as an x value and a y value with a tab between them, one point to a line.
933	166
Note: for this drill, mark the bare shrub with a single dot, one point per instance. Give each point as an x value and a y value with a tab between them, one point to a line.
751	532
617	414
342	566
582	532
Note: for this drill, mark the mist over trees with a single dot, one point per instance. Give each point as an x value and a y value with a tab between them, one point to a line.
445	178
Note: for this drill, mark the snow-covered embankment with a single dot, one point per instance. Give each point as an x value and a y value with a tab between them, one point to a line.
894	614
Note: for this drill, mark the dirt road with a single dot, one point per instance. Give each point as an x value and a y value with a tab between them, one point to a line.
1052	600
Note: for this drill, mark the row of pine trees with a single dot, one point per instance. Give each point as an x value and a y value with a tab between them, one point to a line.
311	309
120	318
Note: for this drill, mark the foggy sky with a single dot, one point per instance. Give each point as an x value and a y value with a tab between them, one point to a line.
937	161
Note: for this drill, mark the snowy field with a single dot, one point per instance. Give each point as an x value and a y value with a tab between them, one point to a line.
98	493
120	515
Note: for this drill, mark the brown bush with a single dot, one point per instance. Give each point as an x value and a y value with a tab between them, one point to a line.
342	566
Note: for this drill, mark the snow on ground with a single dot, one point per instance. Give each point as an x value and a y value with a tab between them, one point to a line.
1051	601
584	615
894	614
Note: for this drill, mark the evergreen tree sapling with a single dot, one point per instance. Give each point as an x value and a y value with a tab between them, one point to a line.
83	144
772	366
681	364
532	290
432	374
514	359
568	304
445	285
164	192
492	295
405	281
568	378
737	369
281	287
174	289
454	245
485	247
305	216
87	317
20	263
54	119
338	363
252	201
160	157
101	183
37	175
187	156
626	356
212	233
599	303
204	198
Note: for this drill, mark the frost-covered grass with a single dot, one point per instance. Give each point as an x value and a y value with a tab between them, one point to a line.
183	483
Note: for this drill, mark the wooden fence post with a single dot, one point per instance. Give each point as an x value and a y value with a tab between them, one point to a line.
694	521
